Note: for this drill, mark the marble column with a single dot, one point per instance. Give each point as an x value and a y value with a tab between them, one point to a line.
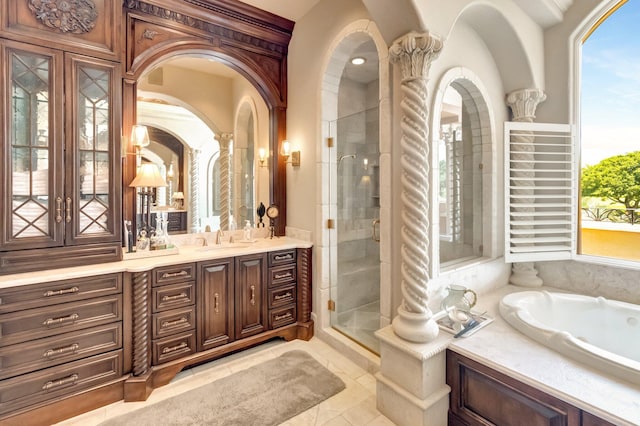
413	54
225	179
194	197
411	386
523	104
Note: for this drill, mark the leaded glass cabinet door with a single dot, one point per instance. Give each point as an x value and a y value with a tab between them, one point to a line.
92	154
32	193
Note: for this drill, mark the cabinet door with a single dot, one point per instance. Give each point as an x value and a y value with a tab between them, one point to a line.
215	310
31	183
92	202
251	310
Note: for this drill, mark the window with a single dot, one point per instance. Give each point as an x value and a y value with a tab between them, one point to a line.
609	223
565	196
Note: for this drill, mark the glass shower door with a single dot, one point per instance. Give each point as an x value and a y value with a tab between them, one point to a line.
355	199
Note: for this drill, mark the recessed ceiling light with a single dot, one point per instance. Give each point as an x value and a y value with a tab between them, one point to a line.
358	60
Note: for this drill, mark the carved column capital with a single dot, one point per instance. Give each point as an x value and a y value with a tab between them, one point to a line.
414	53
523	103
224	139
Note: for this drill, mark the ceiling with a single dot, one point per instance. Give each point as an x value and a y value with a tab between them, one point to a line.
293	10
544	12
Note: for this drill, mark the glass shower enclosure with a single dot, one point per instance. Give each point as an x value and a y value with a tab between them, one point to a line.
355	199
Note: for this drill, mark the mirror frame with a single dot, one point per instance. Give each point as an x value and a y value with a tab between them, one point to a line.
249	40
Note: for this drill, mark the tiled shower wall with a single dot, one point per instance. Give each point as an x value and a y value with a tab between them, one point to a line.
358	197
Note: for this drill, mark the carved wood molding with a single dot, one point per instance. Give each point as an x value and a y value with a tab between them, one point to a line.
304	284
209	27
141	327
67	16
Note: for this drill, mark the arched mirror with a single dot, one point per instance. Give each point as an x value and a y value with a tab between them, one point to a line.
206	125
460	176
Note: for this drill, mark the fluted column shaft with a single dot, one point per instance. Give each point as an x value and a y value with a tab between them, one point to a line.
413	54
225	180
194	198
523	104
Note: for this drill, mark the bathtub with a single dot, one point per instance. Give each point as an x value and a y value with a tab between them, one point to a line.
604	334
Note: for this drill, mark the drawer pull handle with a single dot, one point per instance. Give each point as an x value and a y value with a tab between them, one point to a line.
58	209
283	316
283	256
253	295
287	295
167	324
60	320
282	276
60	292
169	349
68	211
216	305
175	274
60	382
168	298
61	351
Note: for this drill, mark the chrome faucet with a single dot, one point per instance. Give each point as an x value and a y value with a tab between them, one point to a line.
219	235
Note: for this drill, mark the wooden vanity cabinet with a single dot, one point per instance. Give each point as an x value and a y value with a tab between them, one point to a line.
61	341
483	396
215	307
282	288
173	326
61	193
250	295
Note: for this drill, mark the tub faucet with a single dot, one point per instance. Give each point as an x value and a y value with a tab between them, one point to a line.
219	235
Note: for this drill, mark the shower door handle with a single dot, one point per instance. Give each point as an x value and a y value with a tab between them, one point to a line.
375	236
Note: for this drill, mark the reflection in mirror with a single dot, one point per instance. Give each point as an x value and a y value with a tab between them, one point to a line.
460	179
206	124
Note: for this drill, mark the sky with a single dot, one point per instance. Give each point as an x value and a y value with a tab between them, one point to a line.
610	96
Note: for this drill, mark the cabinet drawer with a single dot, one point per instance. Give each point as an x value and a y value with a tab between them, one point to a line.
173	296
174	274
37	295
282	275
174	347
18	327
174	321
43	353
55	382
282	316
281	296
281	257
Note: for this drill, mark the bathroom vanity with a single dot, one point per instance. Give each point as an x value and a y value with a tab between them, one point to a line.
114	331
500	376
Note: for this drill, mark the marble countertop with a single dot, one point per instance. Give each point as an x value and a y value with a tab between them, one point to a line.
185	254
504	349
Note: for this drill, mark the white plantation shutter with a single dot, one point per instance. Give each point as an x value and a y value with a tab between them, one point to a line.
540	192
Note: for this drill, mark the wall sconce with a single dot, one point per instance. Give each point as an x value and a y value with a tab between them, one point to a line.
178	200
365	164
286	152
262	157
139	138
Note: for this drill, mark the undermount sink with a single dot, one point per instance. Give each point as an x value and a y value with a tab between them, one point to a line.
223	246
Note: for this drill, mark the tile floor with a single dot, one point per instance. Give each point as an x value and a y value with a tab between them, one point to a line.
354	406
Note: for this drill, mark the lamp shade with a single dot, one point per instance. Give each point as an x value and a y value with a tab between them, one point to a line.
148	176
139	136
178	196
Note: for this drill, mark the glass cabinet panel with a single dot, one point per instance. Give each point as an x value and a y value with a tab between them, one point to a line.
94	149
31	148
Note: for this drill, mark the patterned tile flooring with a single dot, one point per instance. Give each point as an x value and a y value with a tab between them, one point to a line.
354	406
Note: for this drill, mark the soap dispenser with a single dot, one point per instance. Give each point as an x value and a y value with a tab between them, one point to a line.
247	231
